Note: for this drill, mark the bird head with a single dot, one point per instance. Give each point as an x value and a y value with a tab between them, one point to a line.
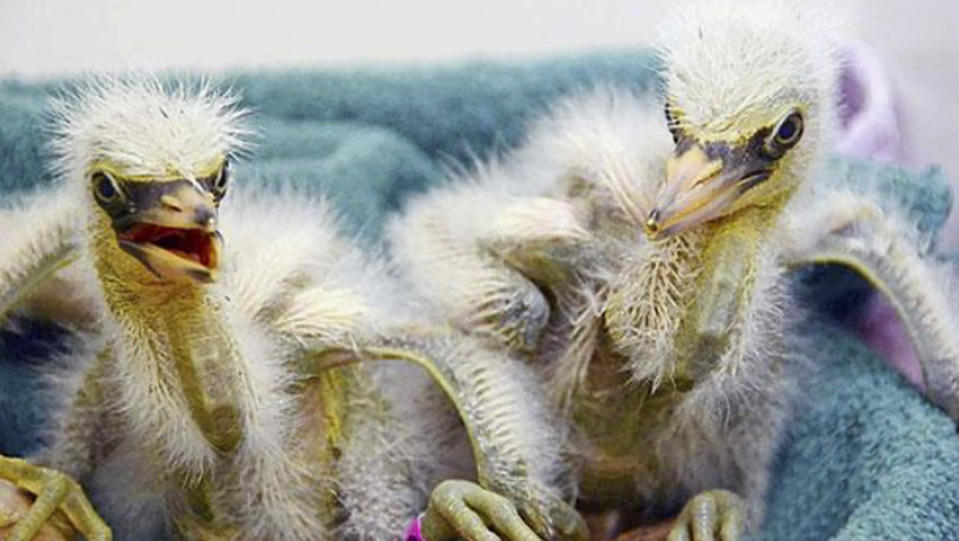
153	164
750	92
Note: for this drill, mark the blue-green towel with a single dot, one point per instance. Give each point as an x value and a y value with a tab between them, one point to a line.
866	457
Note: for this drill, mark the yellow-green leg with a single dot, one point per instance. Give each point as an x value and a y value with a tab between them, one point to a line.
712	515
54	491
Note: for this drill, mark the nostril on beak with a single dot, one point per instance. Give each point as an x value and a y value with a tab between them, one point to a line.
171	203
205	218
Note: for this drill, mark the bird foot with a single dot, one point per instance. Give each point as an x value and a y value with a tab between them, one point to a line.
711	515
15	504
461	509
59	511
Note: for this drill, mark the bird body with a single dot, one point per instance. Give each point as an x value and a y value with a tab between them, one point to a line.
195	396
656	421
636	265
204	403
638	262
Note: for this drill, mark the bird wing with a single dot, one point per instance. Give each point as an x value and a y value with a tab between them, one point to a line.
38	243
856	231
516	444
278	244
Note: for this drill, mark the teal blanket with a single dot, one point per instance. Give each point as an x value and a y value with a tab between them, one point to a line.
866	456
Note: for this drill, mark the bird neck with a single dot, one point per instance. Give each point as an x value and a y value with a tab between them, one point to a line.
756	219
724	289
669	311
753	223
175	338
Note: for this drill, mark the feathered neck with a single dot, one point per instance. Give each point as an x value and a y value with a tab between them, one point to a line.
176	351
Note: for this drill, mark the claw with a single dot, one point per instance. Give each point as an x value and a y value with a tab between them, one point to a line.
558	520
60	511
713	515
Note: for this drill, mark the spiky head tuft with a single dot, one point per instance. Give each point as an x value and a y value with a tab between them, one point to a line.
730	67
141	126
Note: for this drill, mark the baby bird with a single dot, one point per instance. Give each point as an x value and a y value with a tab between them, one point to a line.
638	263
206	403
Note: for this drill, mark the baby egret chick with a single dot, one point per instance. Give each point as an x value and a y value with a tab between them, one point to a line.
639	262
204	409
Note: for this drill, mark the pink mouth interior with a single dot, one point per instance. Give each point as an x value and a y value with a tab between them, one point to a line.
190	244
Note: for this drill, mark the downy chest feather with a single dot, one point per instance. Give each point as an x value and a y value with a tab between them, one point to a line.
647	300
615	333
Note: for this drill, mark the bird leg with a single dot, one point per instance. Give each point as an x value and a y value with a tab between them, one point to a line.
859	235
54	491
714	514
509	496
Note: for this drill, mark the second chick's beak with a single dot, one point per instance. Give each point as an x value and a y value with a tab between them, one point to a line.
703	182
172	231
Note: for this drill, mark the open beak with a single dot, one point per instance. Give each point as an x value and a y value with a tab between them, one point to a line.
174	233
700	188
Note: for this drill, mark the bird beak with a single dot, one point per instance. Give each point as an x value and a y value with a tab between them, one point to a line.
700	187
174	232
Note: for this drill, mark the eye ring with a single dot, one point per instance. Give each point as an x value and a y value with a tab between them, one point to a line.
105	188
789	131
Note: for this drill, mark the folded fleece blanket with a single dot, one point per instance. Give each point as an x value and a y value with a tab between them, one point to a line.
866	457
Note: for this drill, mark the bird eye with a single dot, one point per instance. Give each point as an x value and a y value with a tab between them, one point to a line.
672	123
787	134
105	188
221	180
789	130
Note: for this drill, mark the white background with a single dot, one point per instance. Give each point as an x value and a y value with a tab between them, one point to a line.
919	40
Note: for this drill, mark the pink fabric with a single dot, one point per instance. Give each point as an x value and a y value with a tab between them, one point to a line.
882	330
414	530
870	119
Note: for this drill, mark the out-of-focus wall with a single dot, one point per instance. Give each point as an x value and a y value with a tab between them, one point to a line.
919	42
52	36
917	39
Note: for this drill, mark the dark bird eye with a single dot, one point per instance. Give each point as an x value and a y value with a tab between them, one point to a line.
671	123
104	187
789	130
221	180
787	134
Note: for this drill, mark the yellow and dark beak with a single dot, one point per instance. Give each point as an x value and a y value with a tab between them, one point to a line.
703	182
172	230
